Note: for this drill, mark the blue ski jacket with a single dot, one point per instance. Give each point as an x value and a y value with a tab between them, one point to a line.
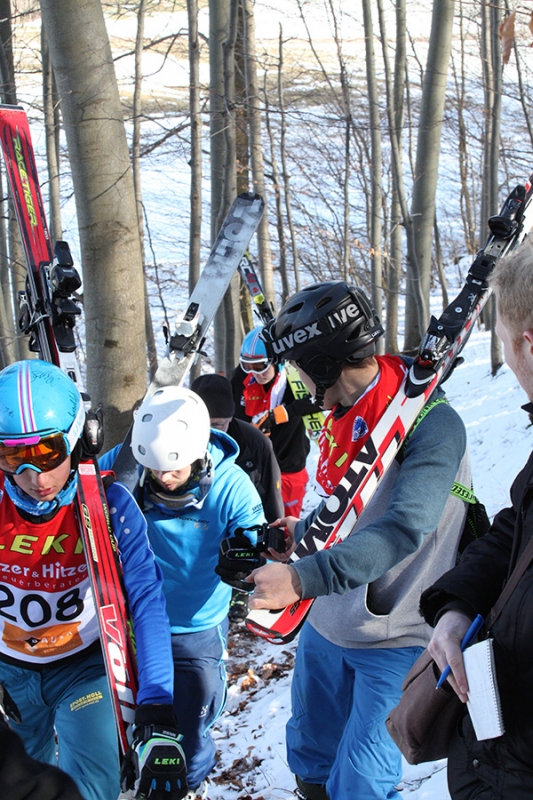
186	541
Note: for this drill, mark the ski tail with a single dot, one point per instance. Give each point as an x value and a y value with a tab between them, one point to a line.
233	238
438	355
47	313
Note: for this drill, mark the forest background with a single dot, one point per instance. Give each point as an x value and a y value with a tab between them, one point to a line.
382	135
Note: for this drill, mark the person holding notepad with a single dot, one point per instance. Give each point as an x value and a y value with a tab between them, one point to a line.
500	767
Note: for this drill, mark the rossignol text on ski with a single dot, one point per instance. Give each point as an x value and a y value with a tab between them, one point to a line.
184	345
47	312
438	354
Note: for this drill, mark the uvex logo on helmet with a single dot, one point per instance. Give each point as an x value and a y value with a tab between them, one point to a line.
343	315
296	337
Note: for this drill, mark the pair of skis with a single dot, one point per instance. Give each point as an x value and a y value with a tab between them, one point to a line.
437	356
48	312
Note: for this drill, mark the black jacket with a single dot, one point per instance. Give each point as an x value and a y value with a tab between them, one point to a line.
256	457
23	778
289	440
474	586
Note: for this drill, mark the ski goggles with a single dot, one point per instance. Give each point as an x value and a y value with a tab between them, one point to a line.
40	453
258	366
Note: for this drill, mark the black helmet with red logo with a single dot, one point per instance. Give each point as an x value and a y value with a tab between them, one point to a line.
322	328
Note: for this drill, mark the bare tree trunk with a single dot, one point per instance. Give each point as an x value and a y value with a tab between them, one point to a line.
105	202
219	14
284	169
282	266
428	147
376	207
8	344
195	202
229	189
464	155
522	94
51	122
247	317
440	266
394	266
496	357
397	172
256	150
151	348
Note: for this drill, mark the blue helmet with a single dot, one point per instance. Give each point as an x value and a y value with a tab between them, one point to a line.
38	398
253	347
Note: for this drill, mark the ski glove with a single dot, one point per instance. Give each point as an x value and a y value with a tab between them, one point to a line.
265	422
154	766
237	558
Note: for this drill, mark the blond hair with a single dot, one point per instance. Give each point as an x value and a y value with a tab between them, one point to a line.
512	281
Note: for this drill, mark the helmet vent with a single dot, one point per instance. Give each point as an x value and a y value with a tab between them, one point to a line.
173	456
142	450
324	301
147	417
295	308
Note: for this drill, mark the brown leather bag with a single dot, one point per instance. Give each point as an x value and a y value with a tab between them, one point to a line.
423	721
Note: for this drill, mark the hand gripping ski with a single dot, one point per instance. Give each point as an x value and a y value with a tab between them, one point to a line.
437	356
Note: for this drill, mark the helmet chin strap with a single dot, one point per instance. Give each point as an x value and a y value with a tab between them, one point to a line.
319	393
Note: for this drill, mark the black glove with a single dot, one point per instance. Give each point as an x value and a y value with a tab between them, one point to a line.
237	558
154	766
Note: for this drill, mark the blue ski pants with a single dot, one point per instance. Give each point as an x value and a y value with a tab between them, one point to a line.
340	699
70	700
200	692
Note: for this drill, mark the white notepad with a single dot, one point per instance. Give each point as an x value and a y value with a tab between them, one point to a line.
483	697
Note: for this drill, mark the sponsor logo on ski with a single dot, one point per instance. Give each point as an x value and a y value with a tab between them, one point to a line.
115	649
24	181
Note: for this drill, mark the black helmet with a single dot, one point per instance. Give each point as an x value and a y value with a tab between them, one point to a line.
322	328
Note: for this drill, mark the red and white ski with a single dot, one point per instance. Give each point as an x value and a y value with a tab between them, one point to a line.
438	355
48	313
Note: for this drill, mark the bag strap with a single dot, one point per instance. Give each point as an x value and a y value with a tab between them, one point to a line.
520	567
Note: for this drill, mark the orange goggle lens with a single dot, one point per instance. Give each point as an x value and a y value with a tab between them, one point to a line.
32	452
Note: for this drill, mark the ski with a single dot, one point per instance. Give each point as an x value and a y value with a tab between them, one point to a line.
438	355
47	313
313	422
186	343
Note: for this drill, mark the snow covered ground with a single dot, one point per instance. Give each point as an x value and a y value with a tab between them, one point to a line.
250	733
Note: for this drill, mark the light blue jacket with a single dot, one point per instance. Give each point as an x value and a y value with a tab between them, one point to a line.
186	542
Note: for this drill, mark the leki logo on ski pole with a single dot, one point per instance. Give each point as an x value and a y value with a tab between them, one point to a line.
24	181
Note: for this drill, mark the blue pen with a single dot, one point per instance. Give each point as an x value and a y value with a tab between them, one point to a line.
468	638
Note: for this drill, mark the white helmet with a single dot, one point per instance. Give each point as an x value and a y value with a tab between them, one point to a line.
171	429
